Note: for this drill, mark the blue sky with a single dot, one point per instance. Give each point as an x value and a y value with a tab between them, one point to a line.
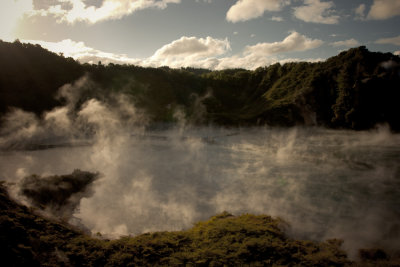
213	34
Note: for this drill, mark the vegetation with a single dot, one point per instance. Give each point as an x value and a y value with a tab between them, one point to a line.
57	194
28	239
356	89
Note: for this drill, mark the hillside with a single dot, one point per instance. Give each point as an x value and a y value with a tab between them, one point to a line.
356	89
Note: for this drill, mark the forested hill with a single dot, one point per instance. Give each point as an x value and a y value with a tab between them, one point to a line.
356	89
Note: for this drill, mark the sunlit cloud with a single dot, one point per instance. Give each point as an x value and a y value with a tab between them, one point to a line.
71	11
392	40
316	11
346	43
249	9
84	54
187	51
192	46
208	53
384	9
294	42
11	11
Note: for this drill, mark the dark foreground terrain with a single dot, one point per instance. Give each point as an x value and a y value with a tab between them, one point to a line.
29	239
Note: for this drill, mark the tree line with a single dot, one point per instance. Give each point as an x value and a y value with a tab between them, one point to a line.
356	89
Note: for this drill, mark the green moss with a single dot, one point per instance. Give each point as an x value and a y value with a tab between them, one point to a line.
224	240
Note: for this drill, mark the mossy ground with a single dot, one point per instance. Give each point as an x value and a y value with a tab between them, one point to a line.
28	239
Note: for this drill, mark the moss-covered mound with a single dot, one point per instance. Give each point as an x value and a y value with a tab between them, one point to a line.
58	194
28	239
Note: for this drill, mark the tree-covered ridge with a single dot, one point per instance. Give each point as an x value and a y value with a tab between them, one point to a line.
356	89
30	76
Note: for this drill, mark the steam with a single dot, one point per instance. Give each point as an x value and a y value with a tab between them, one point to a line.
325	183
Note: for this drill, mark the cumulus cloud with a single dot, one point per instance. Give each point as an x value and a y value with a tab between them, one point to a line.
186	51
316	11
208	53
192	46
384	9
392	40
78	10
347	43
294	42
249	9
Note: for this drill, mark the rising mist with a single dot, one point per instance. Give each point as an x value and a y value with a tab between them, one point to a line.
154	177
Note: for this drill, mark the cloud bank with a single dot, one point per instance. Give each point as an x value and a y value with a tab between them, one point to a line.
249	9
208	52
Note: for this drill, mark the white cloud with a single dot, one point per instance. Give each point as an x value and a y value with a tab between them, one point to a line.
384	9
192	47
294	42
397	53
10	12
393	40
79	51
209	53
347	43
360	12
72	11
249	9
316	11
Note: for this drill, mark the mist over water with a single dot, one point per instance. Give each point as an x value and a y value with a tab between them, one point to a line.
324	183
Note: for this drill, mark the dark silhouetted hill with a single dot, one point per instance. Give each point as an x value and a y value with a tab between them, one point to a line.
356	89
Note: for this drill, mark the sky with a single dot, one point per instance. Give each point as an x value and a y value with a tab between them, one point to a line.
212	34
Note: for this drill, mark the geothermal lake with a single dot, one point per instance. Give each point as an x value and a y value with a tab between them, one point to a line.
324	183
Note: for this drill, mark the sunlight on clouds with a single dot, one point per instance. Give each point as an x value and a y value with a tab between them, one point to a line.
316	11
79	51
11	11
208	53
294	42
193	52
187	51
192	46
109	9
249	9
384	9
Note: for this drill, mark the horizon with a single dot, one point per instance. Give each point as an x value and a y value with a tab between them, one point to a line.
208	34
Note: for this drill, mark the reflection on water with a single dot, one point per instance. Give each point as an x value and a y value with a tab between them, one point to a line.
325	183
